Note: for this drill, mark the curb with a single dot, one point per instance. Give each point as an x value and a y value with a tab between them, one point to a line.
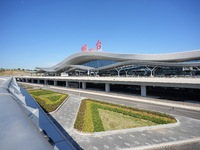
59	106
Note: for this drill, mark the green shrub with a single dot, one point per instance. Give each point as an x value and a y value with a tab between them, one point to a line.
88	119
114	107
54	98
48	100
80	117
40	92
98	126
153	118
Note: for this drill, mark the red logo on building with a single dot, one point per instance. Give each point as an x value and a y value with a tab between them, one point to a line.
98	45
84	48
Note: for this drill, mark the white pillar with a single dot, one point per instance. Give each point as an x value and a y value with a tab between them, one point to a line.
83	85
143	90
32	81
55	83
26	80
45	82
107	87
38	81
67	84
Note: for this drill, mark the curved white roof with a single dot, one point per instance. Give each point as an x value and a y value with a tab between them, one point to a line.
168	59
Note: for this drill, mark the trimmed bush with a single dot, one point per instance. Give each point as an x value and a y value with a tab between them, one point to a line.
80	117
88	119
40	92
48	100
98	126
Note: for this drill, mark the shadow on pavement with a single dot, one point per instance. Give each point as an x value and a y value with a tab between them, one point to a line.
70	139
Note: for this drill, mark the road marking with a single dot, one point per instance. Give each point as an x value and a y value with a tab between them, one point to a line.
149	131
95	148
172	138
171	131
127	144
132	135
164	139
155	140
143	134
136	142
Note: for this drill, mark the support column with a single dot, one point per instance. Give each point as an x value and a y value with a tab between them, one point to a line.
55	83
83	85
67	84
38	81
26	80
143	90
45	82
107	87
32	81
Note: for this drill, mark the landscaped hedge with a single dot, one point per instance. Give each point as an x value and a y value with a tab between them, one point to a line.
98	126
40	92
48	100
136	115
80	117
135	110
88	119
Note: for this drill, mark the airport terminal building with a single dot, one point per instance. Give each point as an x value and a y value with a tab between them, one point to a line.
168	76
112	64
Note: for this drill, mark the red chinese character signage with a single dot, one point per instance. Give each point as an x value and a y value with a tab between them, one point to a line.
84	48
98	45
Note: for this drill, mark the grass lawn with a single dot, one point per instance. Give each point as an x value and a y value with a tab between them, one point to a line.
48	100
96	116
113	120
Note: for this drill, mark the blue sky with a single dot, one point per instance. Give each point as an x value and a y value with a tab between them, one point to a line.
43	32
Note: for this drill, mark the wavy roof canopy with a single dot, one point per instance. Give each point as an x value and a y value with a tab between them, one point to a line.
168	59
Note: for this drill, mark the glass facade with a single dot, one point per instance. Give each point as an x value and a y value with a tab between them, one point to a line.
99	63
